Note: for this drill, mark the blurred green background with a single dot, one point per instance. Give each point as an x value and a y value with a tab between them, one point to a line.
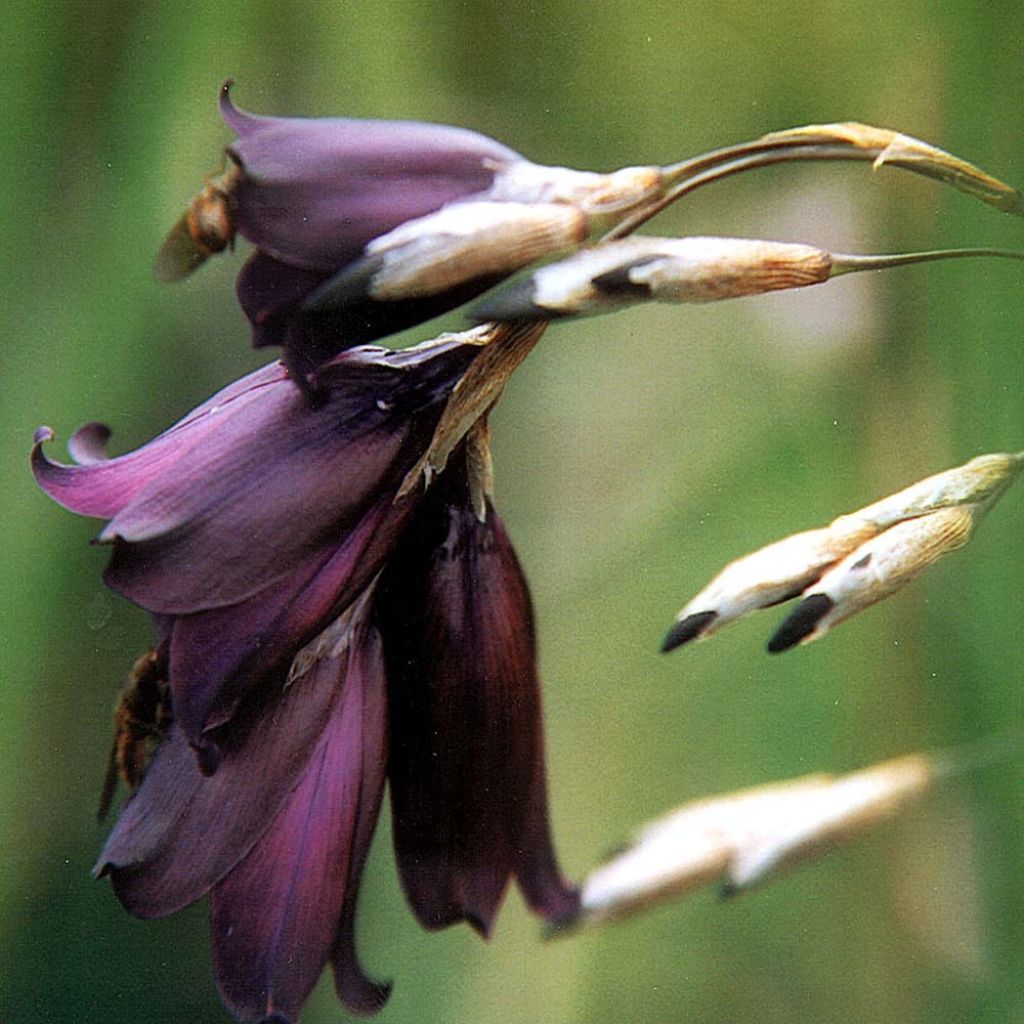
635	455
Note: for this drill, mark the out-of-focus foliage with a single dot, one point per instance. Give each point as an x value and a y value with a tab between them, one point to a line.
635	455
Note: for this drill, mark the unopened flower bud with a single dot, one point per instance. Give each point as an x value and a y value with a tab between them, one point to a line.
873	571
854	562
740	839
615	274
464	242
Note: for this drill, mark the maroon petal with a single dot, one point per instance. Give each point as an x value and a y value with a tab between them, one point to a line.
314	191
277	484
466	769
275	917
183	831
216	655
269	291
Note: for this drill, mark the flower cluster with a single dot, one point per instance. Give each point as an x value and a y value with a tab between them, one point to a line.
316	635
337	605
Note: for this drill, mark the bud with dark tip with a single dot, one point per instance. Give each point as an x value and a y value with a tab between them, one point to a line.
857	560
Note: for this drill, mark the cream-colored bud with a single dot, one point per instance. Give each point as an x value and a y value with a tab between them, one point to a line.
615	274
597	196
766	577
743	838
876	569
855	561
468	240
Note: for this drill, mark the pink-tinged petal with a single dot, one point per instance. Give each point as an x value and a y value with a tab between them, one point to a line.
466	770
183	831
215	656
88	444
283	483
314	191
101	487
275	917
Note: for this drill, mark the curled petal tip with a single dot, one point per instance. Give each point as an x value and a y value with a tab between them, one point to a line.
88	444
685	630
42	435
239	121
801	623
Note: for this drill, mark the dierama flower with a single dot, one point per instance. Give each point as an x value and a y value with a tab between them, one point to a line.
363	228
249	525
467	764
303	659
854	562
277	836
313	194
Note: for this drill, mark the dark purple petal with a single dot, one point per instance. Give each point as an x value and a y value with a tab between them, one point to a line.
102	487
182	831
269	291
216	655
278	484
314	191
275	917
466	769
312	320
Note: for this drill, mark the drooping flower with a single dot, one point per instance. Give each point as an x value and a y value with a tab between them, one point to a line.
295	599
277	835
363	228
467	765
249	525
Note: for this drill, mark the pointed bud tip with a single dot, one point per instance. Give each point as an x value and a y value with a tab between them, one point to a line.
685	630
800	623
511	304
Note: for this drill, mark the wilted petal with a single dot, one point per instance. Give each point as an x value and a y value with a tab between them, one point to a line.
275	917
466	771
